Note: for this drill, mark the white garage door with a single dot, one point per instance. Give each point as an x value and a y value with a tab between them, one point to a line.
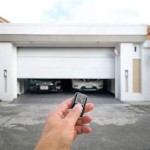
66	63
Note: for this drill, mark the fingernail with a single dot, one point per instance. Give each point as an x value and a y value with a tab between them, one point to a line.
79	107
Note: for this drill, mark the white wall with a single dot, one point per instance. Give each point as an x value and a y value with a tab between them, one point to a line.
8	85
126	63
146	73
8	58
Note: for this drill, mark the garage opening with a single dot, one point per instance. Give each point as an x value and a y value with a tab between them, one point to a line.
65	64
66	85
43	85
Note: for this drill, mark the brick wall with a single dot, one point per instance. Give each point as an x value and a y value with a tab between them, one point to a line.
2	20
148	32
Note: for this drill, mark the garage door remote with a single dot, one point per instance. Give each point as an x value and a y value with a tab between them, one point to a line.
79	98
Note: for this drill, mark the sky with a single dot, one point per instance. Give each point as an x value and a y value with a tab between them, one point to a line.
76	11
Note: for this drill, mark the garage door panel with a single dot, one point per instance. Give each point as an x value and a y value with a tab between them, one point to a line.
65	67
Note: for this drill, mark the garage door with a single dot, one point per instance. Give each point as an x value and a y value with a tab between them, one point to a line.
65	63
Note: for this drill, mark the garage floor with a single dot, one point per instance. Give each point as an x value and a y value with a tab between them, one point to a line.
115	125
52	98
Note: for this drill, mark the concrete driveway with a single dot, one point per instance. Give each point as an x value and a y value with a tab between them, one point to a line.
116	125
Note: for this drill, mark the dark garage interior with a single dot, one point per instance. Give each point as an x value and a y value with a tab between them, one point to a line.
105	95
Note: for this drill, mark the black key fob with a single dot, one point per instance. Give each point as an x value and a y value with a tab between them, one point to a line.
79	98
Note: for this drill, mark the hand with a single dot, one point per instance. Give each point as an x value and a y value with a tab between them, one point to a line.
63	125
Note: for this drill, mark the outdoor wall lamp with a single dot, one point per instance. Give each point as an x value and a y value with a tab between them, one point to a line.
5	73
126	80
126	73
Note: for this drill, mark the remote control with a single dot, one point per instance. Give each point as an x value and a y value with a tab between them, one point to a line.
79	98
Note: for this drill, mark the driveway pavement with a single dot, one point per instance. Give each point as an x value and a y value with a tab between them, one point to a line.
116	125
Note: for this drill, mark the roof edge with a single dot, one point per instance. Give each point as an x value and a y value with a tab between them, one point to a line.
44	29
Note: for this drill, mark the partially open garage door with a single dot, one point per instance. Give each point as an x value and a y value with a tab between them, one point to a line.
66	63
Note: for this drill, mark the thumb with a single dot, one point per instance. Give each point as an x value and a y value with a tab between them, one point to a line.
74	114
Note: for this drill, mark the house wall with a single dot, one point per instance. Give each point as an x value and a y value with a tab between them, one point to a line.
145	72
120	37
127	57
126	71
123	72
8	72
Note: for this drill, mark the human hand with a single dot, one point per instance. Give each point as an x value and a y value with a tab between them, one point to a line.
63	125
